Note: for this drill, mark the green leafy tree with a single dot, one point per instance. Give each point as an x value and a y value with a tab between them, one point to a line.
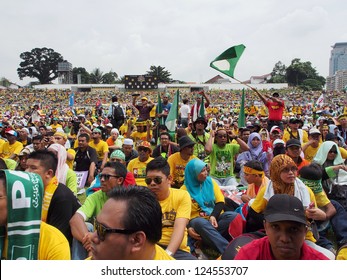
278	74
96	76
109	78
311	84
299	71
85	76
5	82
40	63
162	74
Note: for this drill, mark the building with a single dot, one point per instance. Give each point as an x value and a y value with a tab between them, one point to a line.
338	58
338	81
65	72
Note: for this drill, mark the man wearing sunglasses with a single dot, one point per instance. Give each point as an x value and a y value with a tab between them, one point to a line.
311	147
112	176
222	154
129	226
137	166
176	207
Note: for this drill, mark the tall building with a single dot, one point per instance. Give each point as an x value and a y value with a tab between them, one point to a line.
338	58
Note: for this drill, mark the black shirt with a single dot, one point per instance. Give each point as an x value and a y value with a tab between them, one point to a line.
84	159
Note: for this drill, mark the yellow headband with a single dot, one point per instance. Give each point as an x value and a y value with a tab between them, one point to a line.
250	170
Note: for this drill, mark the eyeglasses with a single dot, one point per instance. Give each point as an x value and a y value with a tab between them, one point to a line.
157	180
106	177
164	139
290	169
222	136
102	230
332	152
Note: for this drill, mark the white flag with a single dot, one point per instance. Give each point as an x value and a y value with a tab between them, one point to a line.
320	101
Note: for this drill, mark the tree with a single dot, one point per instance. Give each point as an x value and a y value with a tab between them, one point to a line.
278	74
5	82
109	78
299	71
85	76
40	63
96	76
162	74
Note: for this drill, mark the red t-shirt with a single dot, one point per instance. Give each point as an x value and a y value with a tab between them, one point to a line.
259	249
275	110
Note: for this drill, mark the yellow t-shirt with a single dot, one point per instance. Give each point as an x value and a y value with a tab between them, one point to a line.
196	209
286	136
70	162
139	137
53	245
177	205
55	126
310	152
343	152
177	166
101	148
138	168
161	255
259	205
8	150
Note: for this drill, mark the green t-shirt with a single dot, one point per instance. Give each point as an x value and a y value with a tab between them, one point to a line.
93	205
222	160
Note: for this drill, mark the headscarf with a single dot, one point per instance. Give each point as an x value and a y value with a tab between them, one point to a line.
255	151
322	154
279	163
277	186
201	192
24	194
62	167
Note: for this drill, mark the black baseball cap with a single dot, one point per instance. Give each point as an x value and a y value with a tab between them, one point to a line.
284	207
293	142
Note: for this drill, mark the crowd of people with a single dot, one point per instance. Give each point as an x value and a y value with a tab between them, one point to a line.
187	194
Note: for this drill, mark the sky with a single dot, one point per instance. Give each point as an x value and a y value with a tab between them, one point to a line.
183	36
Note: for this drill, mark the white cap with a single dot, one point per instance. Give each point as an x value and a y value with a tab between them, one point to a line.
109	125
128	141
278	141
314	131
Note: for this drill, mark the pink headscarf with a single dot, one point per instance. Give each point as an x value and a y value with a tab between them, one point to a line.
62	167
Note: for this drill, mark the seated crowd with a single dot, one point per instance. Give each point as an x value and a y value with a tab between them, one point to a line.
101	187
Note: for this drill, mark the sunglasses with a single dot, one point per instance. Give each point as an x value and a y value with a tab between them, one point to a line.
332	152
157	180
106	177
143	149
222	136
102	230
290	169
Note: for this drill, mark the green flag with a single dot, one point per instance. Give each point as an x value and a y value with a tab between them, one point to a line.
159	109
226	62
241	121
171	120
202	108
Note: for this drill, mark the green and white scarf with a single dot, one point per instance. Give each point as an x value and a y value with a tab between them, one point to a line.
24	204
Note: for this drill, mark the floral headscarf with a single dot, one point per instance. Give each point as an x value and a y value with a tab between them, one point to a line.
279	163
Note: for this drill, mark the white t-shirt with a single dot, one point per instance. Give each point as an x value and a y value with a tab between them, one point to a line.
184	111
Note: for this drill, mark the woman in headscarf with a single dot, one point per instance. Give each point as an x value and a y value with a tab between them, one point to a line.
329	157
64	174
208	223
335	130
255	152
283	180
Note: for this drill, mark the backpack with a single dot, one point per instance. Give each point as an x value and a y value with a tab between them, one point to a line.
235	245
117	113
